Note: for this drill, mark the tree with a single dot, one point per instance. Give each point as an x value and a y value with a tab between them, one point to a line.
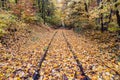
117	14
4	4
16	1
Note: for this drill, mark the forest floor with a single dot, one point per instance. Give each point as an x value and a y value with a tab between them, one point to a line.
21	51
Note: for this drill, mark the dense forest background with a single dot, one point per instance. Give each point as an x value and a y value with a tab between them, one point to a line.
97	14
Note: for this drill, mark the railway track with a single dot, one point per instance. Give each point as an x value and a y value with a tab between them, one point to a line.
79	64
82	74
75	59
36	74
102	63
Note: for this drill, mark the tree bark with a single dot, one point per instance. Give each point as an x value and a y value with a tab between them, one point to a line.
118	16
98	19
16	1
102	25
38	2
43	10
3	3
110	16
86	9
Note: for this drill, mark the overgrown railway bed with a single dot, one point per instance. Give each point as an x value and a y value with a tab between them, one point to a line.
62	62
96	65
59	61
63	59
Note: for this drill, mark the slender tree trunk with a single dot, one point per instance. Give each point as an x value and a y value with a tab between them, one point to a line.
86	8
102	25
16	1
98	19
43	10
118	20
110	16
38	2
98	2
118	16
3	3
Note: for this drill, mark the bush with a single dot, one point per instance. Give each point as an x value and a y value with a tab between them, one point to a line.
32	18
78	29
53	20
2	32
113	27
6	20
77	24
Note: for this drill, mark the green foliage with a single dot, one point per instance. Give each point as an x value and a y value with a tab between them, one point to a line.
6	20
113	29
77	24
33	11
53	20
75	13
39	18
2	32
12	1
119	58
78	29
30	19
113	24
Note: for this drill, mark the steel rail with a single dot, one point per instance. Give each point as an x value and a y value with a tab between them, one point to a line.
85	77
36	74
80	65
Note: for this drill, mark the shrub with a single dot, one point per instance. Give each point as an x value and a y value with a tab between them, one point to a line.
53	20
113	27
2	32
6	20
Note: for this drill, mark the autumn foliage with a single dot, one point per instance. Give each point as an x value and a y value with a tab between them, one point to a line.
23	9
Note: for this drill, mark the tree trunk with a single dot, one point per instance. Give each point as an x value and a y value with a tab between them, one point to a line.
38	2
43	10
3	3
110	16
98	2
102	25
98	19
118	16
118	20
16	1
86	9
